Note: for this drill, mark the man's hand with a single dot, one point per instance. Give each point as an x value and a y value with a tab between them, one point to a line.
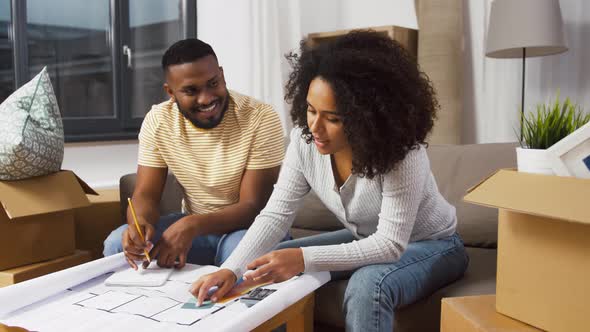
175	244
276	266
224	279
133	245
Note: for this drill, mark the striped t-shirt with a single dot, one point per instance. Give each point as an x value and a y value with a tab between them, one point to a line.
209	163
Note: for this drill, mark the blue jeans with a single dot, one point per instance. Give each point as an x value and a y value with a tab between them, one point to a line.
374	292
205	250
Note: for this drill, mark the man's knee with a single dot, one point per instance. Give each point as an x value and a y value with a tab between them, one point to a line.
113	243
227	245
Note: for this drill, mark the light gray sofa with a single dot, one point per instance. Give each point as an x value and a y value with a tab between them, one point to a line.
456	168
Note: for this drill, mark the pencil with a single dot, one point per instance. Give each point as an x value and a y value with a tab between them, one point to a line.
137	226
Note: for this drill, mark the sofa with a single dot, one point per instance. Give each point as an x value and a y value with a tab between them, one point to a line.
456	168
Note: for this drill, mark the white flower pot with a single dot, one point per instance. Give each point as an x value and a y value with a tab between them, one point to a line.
533	161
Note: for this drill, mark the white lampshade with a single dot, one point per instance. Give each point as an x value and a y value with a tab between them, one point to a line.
535	25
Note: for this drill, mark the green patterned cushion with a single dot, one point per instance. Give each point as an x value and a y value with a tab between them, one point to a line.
31	131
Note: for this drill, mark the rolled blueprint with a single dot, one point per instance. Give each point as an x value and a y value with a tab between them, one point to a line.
28	292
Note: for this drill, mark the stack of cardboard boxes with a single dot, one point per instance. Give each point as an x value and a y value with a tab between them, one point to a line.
37	233
543	276
49	223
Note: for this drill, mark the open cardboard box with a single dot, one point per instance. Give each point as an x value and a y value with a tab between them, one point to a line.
543	276
96	221
36	217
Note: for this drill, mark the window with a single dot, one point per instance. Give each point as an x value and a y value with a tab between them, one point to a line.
103	57
6	54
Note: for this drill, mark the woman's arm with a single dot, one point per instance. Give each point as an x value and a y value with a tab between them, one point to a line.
273	223
402	191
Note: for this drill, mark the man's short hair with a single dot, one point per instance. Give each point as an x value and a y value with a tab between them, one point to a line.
185	51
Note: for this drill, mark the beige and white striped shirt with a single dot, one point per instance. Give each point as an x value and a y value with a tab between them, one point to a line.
209	163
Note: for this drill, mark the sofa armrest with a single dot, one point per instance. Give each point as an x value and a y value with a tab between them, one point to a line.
171	197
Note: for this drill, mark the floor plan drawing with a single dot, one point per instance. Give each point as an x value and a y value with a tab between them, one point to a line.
78	299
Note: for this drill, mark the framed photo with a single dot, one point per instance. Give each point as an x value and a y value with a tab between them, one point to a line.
571	155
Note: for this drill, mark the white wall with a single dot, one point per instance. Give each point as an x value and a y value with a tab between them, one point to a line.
229	20
254	35
101	164
331	15
232	38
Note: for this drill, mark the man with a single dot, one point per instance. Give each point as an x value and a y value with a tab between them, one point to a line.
224	148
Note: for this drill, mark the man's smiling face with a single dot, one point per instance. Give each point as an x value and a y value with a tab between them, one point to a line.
199	90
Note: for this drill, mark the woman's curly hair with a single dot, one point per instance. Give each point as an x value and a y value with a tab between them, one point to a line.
386	104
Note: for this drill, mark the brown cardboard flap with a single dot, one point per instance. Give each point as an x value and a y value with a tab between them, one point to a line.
105	196
44	194
87	189
557	197
482	181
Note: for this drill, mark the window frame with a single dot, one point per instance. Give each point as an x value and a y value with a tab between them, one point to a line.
122	126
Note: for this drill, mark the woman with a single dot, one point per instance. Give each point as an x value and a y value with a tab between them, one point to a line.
366	107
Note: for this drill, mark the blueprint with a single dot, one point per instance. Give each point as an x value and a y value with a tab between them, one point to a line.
78	299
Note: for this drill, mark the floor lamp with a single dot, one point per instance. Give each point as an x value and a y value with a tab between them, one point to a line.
525	28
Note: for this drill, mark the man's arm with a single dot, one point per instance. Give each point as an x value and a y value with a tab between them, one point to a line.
149	186
255	190
146	200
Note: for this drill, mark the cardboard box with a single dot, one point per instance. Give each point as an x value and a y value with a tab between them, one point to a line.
543	275
477	314
96	221
36	218
22	273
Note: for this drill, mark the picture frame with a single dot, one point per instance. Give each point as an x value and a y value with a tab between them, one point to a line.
571	155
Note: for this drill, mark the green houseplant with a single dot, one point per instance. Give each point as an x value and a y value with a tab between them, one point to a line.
541	129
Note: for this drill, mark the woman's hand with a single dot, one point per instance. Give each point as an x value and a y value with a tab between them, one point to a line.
276	266
224	279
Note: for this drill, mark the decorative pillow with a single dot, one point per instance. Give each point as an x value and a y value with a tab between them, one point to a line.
31	131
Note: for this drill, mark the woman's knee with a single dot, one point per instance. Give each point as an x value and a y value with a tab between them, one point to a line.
366	305
367	286
363	285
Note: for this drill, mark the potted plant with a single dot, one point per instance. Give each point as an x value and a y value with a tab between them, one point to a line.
543	128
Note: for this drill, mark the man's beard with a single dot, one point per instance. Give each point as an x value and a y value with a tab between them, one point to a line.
210	123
